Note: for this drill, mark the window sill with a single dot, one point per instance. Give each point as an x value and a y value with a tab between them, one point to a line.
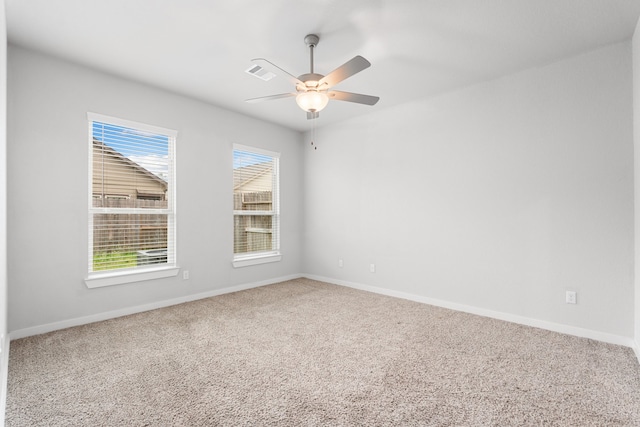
255	259
98	280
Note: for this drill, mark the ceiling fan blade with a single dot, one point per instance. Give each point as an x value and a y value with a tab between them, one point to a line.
270	97
348	69
353	97
312	115
270	66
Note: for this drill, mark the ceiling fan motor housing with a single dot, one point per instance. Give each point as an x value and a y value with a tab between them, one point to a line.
310	80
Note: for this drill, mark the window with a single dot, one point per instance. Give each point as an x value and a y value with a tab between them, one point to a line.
132	201
256	206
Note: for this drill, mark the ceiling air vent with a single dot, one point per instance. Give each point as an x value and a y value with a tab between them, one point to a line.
261	73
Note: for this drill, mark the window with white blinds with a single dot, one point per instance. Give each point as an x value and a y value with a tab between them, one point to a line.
131	196
256	206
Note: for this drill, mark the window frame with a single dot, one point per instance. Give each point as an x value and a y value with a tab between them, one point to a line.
96	279
274	255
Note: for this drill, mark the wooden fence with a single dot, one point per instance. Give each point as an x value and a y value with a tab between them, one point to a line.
134	232
129	232
252	232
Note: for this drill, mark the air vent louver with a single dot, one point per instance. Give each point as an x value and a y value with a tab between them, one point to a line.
261	73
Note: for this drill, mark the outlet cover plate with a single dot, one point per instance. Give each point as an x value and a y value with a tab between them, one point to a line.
571	297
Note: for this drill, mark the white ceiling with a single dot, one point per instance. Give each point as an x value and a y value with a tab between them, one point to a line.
418	48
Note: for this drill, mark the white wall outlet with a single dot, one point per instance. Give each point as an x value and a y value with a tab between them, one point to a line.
571	297
340	263
185	275
372	268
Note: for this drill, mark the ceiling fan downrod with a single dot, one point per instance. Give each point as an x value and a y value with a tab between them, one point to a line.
312	41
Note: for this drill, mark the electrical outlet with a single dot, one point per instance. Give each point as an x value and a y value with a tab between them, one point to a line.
571	297
185	275
372	268
340	263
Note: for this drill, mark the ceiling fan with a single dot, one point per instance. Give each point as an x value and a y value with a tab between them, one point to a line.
313	90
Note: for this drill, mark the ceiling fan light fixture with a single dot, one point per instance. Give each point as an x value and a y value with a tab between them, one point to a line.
312	101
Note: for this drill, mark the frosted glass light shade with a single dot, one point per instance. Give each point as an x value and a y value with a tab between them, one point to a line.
312	101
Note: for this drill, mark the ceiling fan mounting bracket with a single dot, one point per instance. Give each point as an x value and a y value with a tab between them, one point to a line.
311	40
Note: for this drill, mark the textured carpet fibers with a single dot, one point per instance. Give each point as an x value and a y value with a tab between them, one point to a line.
306	353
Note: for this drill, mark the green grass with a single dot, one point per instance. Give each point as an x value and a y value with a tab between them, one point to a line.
114	260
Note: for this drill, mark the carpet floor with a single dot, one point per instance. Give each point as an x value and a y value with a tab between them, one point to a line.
307	353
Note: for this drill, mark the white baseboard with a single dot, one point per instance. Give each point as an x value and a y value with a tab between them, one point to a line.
49	327
542	324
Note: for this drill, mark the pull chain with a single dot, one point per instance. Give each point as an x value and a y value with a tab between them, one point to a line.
313	133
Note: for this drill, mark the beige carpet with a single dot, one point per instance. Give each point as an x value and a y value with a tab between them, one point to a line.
305	353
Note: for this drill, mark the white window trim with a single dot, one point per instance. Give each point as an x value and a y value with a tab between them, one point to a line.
101	279
119	277
257	258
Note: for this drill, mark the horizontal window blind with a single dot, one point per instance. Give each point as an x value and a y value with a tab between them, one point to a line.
132	209
256	203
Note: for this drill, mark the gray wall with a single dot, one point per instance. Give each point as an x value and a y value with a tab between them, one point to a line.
3	203
3	172
48	149
500	196
636	139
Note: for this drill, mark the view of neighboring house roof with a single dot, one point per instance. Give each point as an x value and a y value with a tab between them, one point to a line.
244	176
113	154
